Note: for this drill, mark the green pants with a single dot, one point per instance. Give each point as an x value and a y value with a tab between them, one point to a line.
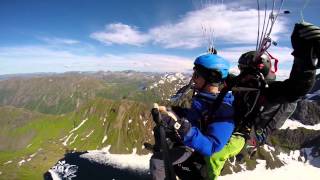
216	162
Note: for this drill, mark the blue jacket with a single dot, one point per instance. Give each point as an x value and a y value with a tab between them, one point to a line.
216	135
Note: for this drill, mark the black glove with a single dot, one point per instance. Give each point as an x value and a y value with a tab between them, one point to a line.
305	41
174	123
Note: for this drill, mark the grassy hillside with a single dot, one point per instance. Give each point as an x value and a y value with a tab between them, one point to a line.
63	93
51	95
43	117
38	143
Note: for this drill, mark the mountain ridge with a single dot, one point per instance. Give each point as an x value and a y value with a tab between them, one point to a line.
113	116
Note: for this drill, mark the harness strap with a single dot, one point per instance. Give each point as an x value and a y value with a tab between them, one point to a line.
208	116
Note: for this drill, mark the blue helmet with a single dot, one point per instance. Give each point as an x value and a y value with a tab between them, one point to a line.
208	63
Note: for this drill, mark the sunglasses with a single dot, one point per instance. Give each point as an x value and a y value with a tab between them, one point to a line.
196	75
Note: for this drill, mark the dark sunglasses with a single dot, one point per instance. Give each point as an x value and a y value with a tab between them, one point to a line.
195	75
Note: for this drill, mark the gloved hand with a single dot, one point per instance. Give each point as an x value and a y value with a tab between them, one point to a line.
173	122
305	40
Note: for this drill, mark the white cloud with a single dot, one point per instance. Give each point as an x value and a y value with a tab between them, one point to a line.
233	54
59	41
283	54
119	33
230	25
31	59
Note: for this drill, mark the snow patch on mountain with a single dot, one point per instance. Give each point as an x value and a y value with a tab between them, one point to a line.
104	139
88	135
29	145
291	124
104	120
66	141
269	149
33	155
121	161
174	77
106	149
170	78
21	162
74	139
62	139
294	171
144	123
82	122
293	155
8	162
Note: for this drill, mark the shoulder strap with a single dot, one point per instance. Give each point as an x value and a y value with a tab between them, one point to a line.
213	107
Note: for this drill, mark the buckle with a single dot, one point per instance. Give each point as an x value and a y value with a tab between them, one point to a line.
177	125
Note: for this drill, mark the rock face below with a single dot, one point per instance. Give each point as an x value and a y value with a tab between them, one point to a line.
307	112
308	109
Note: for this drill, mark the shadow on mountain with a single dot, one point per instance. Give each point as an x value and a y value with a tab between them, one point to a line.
315	153
72	166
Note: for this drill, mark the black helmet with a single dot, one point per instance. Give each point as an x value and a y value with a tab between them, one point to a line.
263	64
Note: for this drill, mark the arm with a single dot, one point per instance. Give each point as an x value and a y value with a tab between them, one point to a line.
305	41
213	141
216	135
299	83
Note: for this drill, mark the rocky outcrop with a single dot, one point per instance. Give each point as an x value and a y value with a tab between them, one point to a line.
295	139
307	112
308	109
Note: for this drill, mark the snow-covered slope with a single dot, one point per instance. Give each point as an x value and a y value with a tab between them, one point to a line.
292	124
138	165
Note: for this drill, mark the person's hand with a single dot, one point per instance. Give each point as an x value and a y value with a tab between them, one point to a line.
165	112
180	125
305	40
172	121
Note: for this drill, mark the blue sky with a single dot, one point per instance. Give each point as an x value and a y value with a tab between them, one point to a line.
142	35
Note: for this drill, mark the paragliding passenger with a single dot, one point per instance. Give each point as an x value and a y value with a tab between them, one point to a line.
201	133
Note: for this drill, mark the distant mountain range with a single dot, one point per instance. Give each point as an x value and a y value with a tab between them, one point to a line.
49	118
